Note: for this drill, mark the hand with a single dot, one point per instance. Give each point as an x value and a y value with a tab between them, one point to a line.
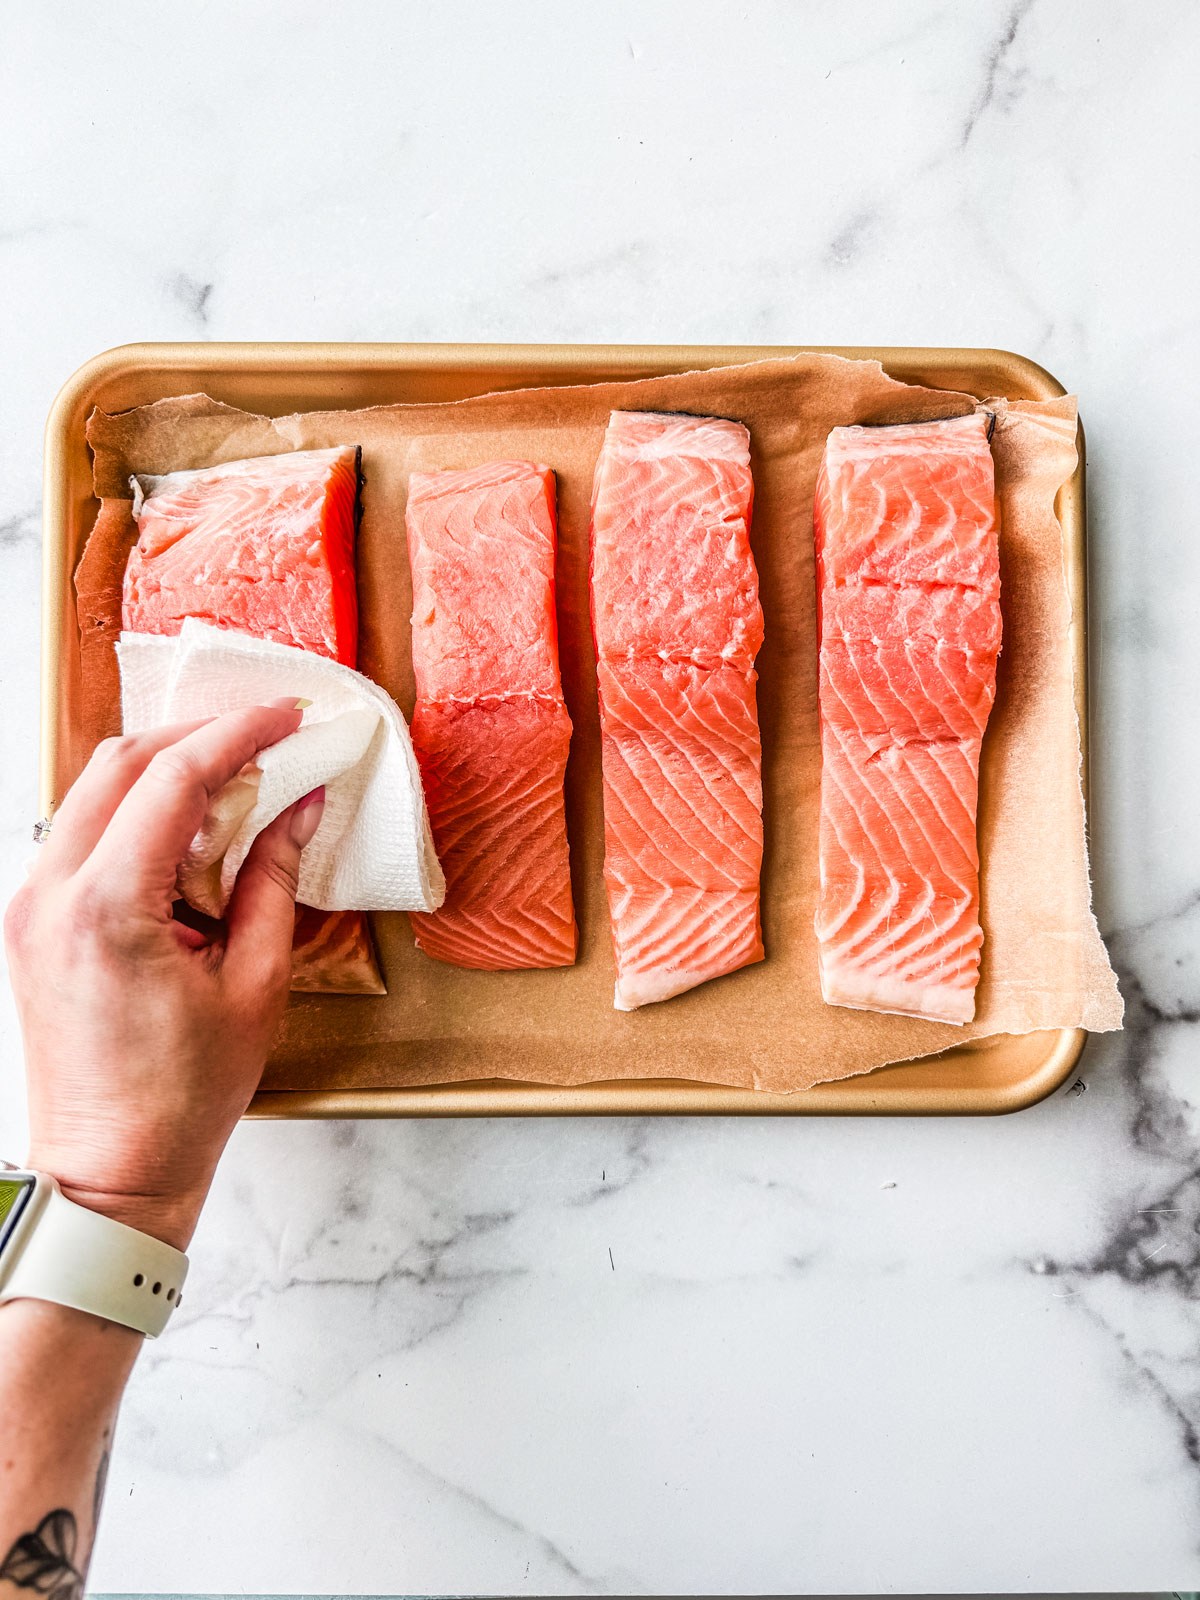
144	1039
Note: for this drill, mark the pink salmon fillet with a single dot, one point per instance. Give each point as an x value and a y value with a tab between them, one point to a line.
490	730
908	575
263	546
677	624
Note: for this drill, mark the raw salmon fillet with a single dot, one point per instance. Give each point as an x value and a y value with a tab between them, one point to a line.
909	597
678	624
490	729
264	546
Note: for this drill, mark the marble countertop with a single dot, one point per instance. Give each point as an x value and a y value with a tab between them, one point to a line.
669	1356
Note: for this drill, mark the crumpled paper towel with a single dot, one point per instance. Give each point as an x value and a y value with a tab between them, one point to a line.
373	850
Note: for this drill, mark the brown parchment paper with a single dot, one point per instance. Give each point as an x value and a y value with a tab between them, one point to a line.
1044	964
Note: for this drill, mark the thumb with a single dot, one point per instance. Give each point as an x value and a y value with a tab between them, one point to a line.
262	910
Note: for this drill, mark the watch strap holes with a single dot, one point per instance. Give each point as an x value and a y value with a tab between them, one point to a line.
138	1280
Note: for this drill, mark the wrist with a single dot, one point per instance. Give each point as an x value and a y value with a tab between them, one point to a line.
111	1256
171	1218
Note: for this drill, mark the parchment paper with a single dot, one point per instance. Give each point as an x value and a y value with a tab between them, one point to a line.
1044	965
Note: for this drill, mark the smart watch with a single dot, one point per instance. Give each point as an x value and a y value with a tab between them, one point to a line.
52	1249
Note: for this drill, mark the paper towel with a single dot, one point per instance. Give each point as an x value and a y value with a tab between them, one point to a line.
373	850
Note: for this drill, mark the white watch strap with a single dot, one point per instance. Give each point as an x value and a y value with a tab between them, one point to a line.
76	1257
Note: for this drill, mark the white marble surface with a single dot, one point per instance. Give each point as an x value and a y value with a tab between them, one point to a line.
826	1355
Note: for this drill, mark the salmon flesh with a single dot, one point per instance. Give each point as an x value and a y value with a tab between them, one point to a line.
677	624
491	730
263	546
909	600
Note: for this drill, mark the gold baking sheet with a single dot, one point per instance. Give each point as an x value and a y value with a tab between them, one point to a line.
996	1074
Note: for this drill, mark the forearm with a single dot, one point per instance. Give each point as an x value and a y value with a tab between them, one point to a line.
144	1041
62	1373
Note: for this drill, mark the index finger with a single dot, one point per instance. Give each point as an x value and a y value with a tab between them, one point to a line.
138	855
87	809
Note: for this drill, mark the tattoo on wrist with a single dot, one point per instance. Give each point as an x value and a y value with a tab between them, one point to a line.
44	1560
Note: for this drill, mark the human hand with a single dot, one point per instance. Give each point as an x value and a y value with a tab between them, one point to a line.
144	1039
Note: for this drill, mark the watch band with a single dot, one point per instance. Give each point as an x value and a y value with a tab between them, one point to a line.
76	1257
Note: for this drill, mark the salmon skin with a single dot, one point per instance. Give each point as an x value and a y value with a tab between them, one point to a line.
678	624
490	729
909	599
332	953
263	546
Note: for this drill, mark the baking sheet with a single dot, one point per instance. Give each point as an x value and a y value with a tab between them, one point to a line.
766	1026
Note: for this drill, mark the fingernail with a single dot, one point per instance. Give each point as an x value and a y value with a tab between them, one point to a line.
302	705
306	817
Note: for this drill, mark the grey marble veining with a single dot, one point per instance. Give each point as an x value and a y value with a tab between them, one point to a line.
714	1356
